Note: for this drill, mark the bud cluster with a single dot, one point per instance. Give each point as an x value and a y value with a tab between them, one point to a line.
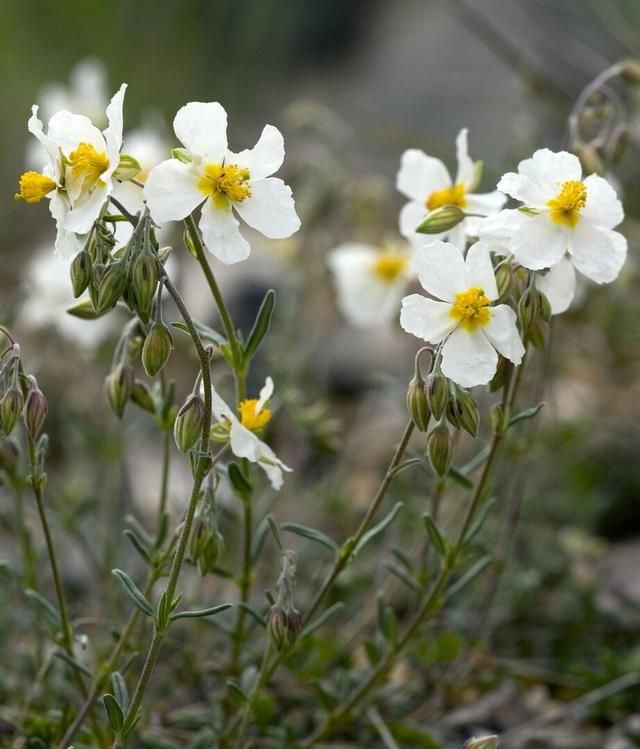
284	621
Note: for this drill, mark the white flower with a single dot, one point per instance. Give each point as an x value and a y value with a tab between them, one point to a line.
470	329
427	182
223	183
369	282
77	176
244	442
566	214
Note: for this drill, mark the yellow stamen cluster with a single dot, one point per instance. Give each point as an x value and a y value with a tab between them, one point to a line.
471	308
88	165
566	206
252	420
223	183
34	187
389	265
449	196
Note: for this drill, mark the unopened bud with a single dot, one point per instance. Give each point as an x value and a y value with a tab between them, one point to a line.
631	70
440	449
80	272
437	391
417	402
157	348
441	220
127	168
111	287
528	308
538	334
206	543
36	411
141	396
293	623
277	626
9	456
463	412
118	387
503	278
500	377
545	312
187	428
482	742
10	408
144	281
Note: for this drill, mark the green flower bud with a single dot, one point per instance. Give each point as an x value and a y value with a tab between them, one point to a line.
417	402
112	286
503	279
463	412
118	387
545	307
84	310
141	396
206	543
538	334
441	220
528	308
9	456
80	271
483	742
187	429
11	408
144	280
440	449
293	625
157	348
437	391
35	411
277	626
630	70
127	168
500	377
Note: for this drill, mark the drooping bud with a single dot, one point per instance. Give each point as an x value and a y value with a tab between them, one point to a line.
293	624
118	387
36	410
440	449
187	428
144	281
463	412
206	543
157	348
437	391
482	742
417	402
111	287
441	220
630	70
80	272
503	279
9	456
127	168
277	626
141	396
11	408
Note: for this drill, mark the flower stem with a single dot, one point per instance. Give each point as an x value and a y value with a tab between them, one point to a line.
245	581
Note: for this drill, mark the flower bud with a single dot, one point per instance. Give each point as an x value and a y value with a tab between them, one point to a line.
500	377
144	280
503	279
111	287
157	348
545	307
10	408
127	168
463	412
118	387
9	456
538	334
528	308
293	624
483	742
631	70
206	544
277	626
80	271
187	429
36	411
417	402
437	391
440	449
141	396
441	220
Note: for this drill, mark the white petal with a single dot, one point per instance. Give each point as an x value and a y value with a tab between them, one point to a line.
265	157
171	191
441	269
485	203
221	234
498	231
426	318
420	175
479	271
67	244
539	243
603	207
202	129
558	284
502	332
82	216
69	130
522	188
35	128
245	444
549	169
270	209
219	408
113	133
466	172
265	395
597	253
468	358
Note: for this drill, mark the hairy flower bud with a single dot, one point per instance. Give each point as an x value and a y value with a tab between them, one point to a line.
157	348
80	272
293	624
187	429
144	281
11	408
417	402
277	626
127	168
528	308
437	391
141	396
631	70
463	412
503	279
482	742
9	456
441	220
545	307
118	387
112	286
440	449
36	410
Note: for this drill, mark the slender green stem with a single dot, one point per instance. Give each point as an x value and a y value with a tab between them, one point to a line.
164	485
26	549
245	581
248	708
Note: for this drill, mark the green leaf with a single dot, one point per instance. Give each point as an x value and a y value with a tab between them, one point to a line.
470	575
404	465
64	656
198	614
237	693
120	691
438	542
528	413
403	577
239	483
324	617
207	334
133	592
50	611
260	327
377	529
137	544
114	712
479	522
475	462
273	527
254	613
460	478
312	534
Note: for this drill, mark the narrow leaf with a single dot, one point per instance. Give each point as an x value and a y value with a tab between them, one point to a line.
405	464
403	577
114	712
120	691
324	617
212	611
64	656
528	413
273	526
479	522
470	575
254	613
312	534
137	544
377	529
49	610
439	544
133	592
207	334
460	478
261	325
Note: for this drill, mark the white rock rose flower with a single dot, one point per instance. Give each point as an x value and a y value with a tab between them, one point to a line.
369	282
565	215
471	330
243	440
77	178
426	181
223	183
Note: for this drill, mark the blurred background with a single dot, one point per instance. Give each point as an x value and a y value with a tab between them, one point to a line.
351	84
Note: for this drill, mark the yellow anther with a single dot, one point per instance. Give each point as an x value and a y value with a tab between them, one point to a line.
252	420
471	308
449	196
88	165
566	206
389	265
34	187
225	182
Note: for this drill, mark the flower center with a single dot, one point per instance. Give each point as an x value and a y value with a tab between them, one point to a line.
34	187
566	206
449	196
471	308
252	420
389	265
225	182
88	165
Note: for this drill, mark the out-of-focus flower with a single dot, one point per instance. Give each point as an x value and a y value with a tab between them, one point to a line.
369	282
426	181
470	329
243	438
77	178
222	182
